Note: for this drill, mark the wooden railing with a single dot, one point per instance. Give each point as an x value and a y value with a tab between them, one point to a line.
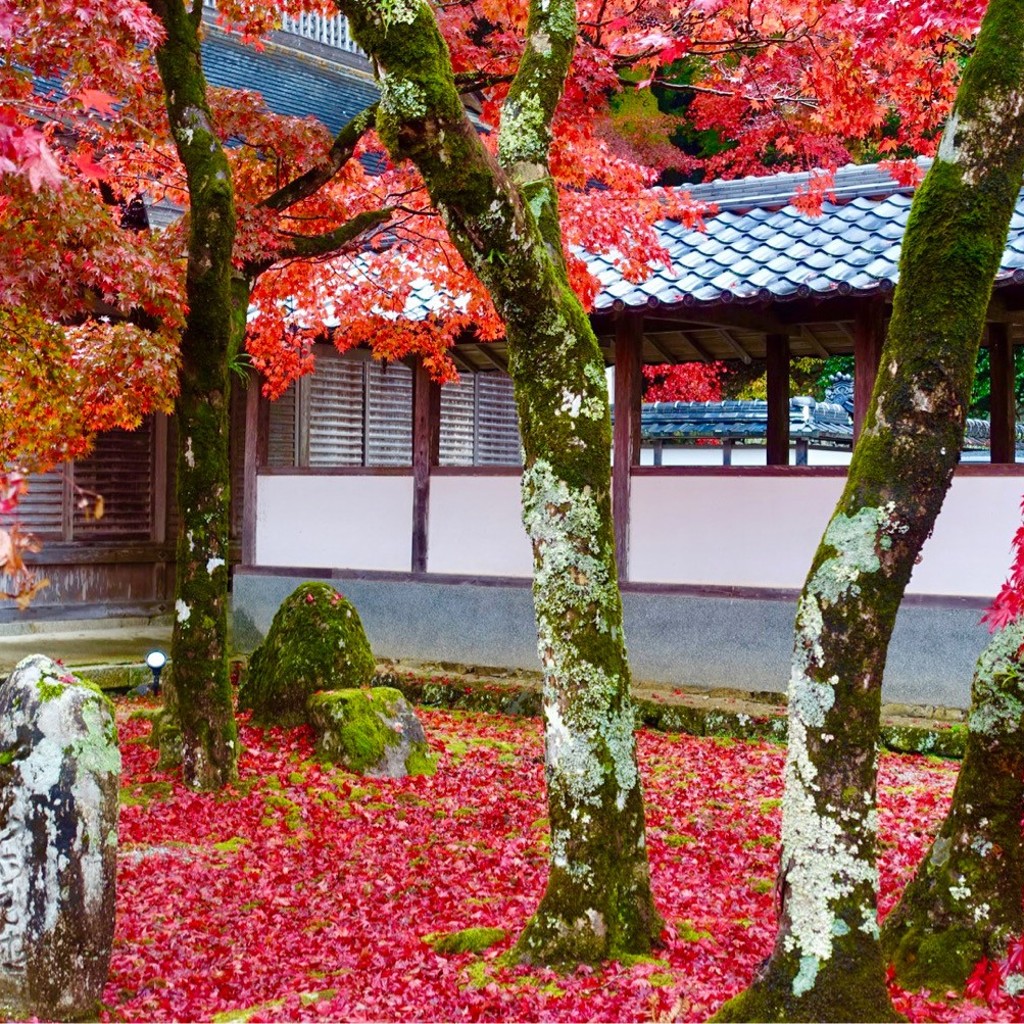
331	32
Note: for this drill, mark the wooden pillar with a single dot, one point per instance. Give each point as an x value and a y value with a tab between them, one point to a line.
1003	405
161	477
254	455
426	439
868	338
629	336
777	346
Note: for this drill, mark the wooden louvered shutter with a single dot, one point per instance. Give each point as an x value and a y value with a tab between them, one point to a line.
458	414
336	411
389	415
41	510
120	470
282	446
498	441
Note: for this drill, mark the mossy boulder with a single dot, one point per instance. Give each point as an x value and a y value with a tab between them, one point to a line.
370	731
316	642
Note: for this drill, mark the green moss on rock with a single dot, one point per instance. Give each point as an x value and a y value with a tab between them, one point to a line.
370	731
316	642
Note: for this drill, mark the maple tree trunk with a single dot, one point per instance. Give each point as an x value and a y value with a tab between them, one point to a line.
213	331
827	962
503	216
964	902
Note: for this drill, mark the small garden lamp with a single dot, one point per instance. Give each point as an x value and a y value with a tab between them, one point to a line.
156	661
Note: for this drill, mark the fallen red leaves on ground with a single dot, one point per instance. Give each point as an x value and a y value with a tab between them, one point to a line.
304	893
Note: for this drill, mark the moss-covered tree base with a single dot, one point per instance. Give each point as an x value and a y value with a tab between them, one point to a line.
964	902
165	736
848	989
618	920
937	961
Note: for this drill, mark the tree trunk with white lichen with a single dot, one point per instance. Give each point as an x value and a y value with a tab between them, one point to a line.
827	963
201	697
198	718
503	216
964	902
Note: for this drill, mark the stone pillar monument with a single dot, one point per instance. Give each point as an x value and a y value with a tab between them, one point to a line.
59	778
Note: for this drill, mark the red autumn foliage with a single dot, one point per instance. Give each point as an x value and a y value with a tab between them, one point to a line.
684	382
1008	604
305	892
783	84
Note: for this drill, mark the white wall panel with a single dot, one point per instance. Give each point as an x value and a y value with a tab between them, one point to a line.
969	552
335	522
762	531
475	527
756	531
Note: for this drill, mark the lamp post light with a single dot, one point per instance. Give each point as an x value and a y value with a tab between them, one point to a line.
156	661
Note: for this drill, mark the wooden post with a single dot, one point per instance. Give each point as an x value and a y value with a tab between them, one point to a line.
1003	407
629	336
254	455
426	439
868	339
161	478
777	346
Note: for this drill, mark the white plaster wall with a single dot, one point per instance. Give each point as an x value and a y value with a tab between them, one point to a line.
741	456
762	531
969	552
756	531
335	522
475	527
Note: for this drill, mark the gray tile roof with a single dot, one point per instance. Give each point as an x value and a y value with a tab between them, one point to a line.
292	82
758	247
680	422
820	422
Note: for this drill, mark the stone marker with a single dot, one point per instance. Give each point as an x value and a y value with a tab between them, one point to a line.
372	732
59	779
316	642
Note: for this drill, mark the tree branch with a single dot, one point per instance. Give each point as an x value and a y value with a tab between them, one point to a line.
316	177
330	242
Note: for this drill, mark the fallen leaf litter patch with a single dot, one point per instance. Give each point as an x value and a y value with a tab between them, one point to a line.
308	893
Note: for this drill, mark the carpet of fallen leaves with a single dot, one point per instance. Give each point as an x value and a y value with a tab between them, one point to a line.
304	893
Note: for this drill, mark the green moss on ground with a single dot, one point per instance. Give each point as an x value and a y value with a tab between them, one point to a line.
469	940
143	794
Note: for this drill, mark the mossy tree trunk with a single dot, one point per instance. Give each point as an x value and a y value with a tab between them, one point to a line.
213	332
964	902
199	700
503	216
827	962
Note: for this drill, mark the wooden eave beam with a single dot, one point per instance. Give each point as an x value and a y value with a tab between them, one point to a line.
492	357
697	347
736	347
844	328
807	333
667	356
460	361
686	337
761	319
